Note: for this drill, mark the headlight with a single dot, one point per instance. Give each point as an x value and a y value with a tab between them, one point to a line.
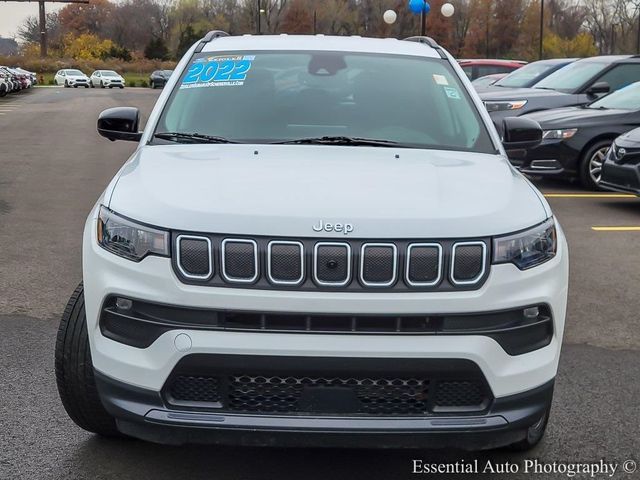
128	239
507	105
564	134
529	248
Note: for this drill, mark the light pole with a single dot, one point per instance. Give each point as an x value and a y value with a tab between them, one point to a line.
422	7
259	13
540	46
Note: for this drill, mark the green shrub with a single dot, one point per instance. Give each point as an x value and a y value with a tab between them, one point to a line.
133	83
52	82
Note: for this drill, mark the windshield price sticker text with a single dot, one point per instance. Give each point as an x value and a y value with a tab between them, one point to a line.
218	71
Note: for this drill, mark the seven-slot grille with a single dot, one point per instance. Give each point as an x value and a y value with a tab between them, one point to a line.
309	264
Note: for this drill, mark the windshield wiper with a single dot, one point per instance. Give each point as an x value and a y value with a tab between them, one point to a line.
182	137
339	140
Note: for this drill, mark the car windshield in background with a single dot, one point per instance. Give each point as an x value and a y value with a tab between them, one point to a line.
109	73
524	76
270	97
572	76
627	98
74	72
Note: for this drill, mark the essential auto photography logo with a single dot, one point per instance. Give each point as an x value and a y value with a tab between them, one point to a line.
590	469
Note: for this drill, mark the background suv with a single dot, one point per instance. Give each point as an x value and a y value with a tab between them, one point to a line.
579	83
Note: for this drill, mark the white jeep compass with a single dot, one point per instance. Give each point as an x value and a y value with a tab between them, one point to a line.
318	241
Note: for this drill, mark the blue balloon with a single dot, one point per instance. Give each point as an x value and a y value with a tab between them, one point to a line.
419	6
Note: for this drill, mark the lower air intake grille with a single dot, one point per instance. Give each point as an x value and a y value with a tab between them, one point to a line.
187	389
346	395
459	394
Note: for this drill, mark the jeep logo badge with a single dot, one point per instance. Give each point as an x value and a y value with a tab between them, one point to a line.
344	228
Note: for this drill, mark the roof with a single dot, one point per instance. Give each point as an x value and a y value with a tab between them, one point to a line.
320	42
609	58
491	61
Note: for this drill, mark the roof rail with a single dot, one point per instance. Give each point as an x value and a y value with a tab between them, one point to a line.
428	41
212	35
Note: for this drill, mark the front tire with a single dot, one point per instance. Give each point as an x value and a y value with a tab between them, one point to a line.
591	164
74	371
535	433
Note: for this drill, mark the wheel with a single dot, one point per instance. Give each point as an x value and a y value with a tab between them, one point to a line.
91	84
74	371
153	85
121	87
66	84
535	433
110	87
75	86
591	164
101	84
86	86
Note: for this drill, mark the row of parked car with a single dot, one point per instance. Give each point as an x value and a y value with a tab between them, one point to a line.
14	79
71	77
582	105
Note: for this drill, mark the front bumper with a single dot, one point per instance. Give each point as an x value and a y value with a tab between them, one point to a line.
550	158
621	177
131	380
143	414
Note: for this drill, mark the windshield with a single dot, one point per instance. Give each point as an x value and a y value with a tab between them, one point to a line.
571	77
109	73
74	72
269	97
525	76
627	98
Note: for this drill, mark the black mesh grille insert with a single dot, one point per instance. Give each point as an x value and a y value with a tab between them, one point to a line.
424	264
469	260
286	262
194	389
332	263
327	394
239	260
194	256
378	264
460	394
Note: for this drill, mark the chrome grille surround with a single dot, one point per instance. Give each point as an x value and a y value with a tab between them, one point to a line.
363	259
476	279
183	270
276	281
408	263
274	263
256	263
348	264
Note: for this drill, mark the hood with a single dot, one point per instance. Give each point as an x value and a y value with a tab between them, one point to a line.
577	117
78	77
630	140
286	190
499	93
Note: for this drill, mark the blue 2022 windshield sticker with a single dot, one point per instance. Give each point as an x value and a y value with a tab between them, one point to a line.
228	70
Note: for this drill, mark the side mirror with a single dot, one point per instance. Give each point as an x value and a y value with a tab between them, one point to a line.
598	88
520	133
120	123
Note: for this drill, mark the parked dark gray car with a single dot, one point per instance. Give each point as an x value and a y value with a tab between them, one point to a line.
580	83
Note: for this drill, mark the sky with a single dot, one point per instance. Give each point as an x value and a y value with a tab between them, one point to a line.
13	14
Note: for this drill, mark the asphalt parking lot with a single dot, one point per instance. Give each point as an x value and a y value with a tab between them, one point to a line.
53	166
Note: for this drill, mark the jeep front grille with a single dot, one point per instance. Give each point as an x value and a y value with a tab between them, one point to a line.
308	264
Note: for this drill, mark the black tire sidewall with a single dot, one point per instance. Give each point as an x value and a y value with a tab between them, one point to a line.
585	176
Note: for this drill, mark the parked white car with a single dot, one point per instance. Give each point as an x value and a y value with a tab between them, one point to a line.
318	241
107	78
71	78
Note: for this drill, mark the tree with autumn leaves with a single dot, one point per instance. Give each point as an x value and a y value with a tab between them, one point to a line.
479	28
